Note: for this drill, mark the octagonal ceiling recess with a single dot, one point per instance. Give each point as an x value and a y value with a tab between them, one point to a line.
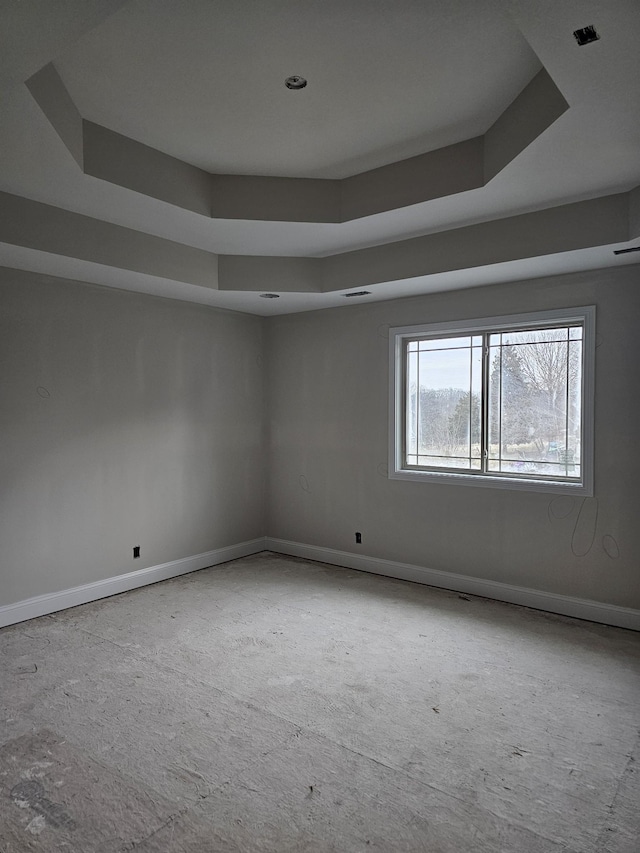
455	168
202	80
437	145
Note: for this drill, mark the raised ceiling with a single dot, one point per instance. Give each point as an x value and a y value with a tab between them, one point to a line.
153	146
204	81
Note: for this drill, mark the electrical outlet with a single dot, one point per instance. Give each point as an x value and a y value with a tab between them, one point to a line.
136	552
358	538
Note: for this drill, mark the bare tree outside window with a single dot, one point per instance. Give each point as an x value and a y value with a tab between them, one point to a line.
534	401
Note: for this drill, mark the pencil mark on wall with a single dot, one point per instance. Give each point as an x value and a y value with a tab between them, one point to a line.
599	341
383	470
42	392
585	527
584	530
304	483
560	507
610	546
383	330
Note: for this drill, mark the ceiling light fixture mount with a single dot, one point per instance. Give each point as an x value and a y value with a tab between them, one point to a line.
295	82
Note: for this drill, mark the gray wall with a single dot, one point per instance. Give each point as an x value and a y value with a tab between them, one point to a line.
128	419
328	393
125	420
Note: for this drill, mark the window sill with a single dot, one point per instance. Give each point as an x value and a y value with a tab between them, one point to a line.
556	487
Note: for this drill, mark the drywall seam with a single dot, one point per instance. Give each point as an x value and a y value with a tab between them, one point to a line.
41	605
578	608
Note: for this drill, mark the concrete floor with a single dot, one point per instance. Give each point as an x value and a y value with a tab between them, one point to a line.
273	704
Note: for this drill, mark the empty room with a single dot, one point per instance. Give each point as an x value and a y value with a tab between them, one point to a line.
319	418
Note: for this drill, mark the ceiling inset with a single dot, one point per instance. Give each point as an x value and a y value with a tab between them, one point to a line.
437	145
463	166
391	79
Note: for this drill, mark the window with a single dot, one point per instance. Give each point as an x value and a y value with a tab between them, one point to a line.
504	401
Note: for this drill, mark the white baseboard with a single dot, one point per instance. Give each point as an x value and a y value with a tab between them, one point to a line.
580	608
41	605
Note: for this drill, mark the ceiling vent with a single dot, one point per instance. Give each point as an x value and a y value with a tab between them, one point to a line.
586	35
358	293
270	296
626	251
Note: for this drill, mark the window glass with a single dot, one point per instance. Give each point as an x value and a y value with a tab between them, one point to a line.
503	403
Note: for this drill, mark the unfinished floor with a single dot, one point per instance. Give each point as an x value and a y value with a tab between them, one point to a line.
274	704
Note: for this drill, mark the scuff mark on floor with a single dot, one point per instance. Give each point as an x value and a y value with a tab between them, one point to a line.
31	794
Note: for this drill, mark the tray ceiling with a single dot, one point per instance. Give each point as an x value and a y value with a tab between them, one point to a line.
152	145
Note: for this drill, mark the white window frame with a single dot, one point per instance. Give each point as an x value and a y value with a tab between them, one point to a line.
397	336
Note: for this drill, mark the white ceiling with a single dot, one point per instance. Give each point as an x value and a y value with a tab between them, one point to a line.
203	81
